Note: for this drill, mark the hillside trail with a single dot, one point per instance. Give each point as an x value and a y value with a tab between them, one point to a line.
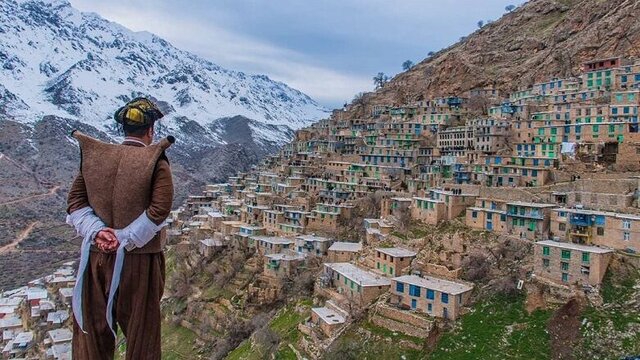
23	235
51	192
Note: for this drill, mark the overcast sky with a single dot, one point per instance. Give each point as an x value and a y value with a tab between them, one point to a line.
329	49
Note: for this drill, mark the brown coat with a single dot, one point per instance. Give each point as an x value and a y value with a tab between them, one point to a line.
121	181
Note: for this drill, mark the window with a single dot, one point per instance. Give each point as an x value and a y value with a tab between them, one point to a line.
414	290
400	287
600	231
626	224
378	265
546	251
626	236
585	257
445	298
566	254
430	294
474	214
564	266
545	263
565	277
562	226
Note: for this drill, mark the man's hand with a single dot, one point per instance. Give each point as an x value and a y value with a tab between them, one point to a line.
106	240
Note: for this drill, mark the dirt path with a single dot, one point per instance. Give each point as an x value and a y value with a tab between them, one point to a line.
51	192
23	235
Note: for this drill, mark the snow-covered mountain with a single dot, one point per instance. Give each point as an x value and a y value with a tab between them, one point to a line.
56	60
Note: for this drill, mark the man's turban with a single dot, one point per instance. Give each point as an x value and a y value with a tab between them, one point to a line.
138	112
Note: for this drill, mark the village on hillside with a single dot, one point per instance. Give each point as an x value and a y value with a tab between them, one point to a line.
550	170
553	165
35	320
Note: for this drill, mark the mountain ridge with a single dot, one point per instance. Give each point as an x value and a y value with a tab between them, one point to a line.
81	60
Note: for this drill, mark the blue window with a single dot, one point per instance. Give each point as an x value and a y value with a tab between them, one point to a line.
400	287
430	294
535	162
429	307
503	217
474	214
445	298
414	290
534	172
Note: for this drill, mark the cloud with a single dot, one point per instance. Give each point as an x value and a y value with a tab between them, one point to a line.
239	52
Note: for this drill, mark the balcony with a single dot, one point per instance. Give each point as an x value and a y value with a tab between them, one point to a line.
581	220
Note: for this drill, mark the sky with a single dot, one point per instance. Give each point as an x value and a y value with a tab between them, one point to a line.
328	49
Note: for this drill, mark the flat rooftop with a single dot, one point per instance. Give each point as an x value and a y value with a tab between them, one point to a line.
273	239
596	212
531	204
572	246
397	252
313	238
360	276
435	283
60	335
329	316
346	246
211	242
285	257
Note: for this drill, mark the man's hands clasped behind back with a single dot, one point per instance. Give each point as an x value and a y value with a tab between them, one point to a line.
106	240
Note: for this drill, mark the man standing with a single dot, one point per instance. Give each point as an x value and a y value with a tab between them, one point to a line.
118	203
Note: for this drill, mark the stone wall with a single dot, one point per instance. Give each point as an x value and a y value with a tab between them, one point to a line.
401	321
404	317
442	271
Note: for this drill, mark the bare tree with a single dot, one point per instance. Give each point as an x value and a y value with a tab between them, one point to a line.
380	79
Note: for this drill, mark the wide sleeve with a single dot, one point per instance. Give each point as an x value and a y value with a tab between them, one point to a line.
162	193
77	198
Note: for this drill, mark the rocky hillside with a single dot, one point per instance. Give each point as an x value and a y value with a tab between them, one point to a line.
539	40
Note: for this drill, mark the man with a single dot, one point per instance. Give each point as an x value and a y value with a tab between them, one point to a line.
118	203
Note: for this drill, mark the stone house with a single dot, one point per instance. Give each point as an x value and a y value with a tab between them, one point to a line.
272	244
431	295
569	263
282	265
356	284
344	251
393	261
313	245
602	228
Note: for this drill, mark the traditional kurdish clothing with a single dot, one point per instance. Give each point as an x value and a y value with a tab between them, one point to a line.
126	187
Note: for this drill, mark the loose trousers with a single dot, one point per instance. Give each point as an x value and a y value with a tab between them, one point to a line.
136	310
